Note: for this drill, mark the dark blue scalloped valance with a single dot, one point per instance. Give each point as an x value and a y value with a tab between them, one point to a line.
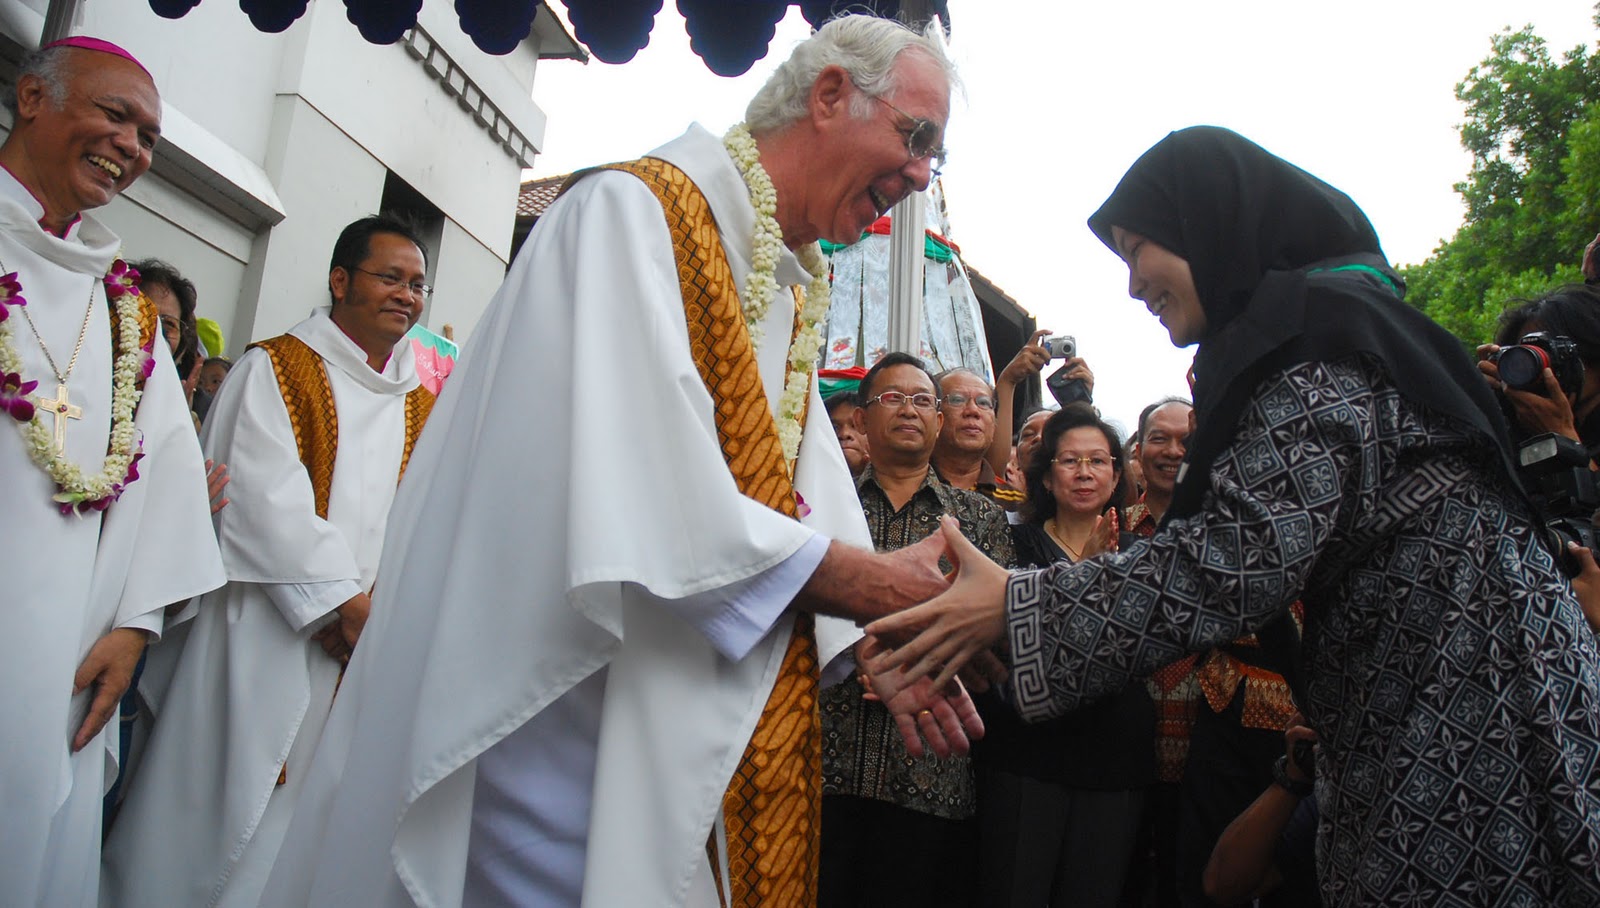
730	35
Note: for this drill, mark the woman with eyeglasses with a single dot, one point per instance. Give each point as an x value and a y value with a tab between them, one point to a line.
1059	802
1347	452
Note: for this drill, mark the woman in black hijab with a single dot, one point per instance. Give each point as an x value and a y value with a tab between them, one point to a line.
1347	453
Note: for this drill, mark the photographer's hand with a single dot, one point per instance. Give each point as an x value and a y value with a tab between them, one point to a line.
1027	363
1587	584
1537	412
1546	411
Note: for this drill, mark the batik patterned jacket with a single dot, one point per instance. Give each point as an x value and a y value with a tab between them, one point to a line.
1451	675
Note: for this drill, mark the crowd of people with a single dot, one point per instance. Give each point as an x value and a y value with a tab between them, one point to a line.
1301	639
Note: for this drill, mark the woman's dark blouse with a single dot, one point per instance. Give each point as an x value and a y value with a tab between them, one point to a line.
1105	746
1452	678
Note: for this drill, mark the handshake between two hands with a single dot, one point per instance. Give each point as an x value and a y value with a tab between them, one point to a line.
915	661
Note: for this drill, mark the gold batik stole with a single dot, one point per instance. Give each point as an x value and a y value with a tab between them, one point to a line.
303	383
772	808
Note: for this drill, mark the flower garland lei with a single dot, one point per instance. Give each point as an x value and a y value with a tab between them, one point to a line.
761	286
78	493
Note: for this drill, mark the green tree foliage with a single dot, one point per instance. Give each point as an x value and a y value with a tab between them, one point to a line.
1533	194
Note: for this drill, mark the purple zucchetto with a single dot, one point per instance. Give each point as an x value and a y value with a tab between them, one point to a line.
98	45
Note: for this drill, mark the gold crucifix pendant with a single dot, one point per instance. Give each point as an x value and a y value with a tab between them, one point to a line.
62	409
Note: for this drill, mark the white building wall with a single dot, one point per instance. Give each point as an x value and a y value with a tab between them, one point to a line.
157	220
292	136
325	181
468	274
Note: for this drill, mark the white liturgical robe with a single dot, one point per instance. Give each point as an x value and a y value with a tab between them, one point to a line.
203	819
70	579
582	616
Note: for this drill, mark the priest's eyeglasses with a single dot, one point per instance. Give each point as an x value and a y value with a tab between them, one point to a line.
922	139
895	399
955	400
390	281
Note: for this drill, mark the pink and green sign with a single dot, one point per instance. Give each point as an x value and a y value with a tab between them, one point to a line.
436	356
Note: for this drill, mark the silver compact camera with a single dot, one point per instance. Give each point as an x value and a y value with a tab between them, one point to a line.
1060	347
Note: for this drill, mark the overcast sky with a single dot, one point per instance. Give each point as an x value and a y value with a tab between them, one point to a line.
1062	97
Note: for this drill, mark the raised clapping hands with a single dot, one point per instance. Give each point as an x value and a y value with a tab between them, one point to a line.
1103	538
919	651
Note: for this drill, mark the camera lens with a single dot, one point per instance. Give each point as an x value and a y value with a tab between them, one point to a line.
1522	367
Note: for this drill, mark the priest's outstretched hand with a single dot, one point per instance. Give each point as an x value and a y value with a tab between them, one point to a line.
937	639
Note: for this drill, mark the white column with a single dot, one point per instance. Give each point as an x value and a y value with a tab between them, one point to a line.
905	239
905	273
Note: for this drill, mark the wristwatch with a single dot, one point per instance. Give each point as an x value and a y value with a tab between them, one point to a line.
1300	788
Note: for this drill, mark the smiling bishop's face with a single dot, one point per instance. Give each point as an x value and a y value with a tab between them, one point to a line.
97	141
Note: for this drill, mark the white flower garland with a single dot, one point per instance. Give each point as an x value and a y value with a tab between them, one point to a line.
762	285
77	491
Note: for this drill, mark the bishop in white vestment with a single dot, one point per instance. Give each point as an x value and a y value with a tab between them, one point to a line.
582	616
78	582
301	538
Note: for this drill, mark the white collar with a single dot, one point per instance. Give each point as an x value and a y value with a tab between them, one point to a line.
22	195
319	332
705	160
88	248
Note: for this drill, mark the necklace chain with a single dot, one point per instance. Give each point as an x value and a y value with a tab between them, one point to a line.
78	491
1051	528
77	348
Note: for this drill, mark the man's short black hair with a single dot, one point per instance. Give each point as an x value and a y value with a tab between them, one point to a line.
1571	310
156	273
355	241
897	358
1144	415
837	399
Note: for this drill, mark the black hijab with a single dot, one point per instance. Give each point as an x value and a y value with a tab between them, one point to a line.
1288	270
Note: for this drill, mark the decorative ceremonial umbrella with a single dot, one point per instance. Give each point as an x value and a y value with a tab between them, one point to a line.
436	356
950	324
729	35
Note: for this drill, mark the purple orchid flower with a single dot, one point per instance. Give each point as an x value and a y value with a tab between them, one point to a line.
133	471
14	396
10	294
121	280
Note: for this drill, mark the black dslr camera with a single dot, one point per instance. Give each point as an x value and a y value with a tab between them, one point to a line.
1522	365
1556	471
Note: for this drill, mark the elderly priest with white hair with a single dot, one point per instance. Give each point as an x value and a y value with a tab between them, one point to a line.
594	677
102	488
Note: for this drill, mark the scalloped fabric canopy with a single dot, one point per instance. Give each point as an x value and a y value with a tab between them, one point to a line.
729	35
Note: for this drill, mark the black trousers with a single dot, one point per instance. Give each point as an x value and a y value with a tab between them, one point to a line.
879	855
1044	844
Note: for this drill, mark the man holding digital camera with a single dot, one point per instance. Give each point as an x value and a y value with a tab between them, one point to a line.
1546	364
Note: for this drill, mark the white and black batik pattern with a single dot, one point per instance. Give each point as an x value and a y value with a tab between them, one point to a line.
1451	675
